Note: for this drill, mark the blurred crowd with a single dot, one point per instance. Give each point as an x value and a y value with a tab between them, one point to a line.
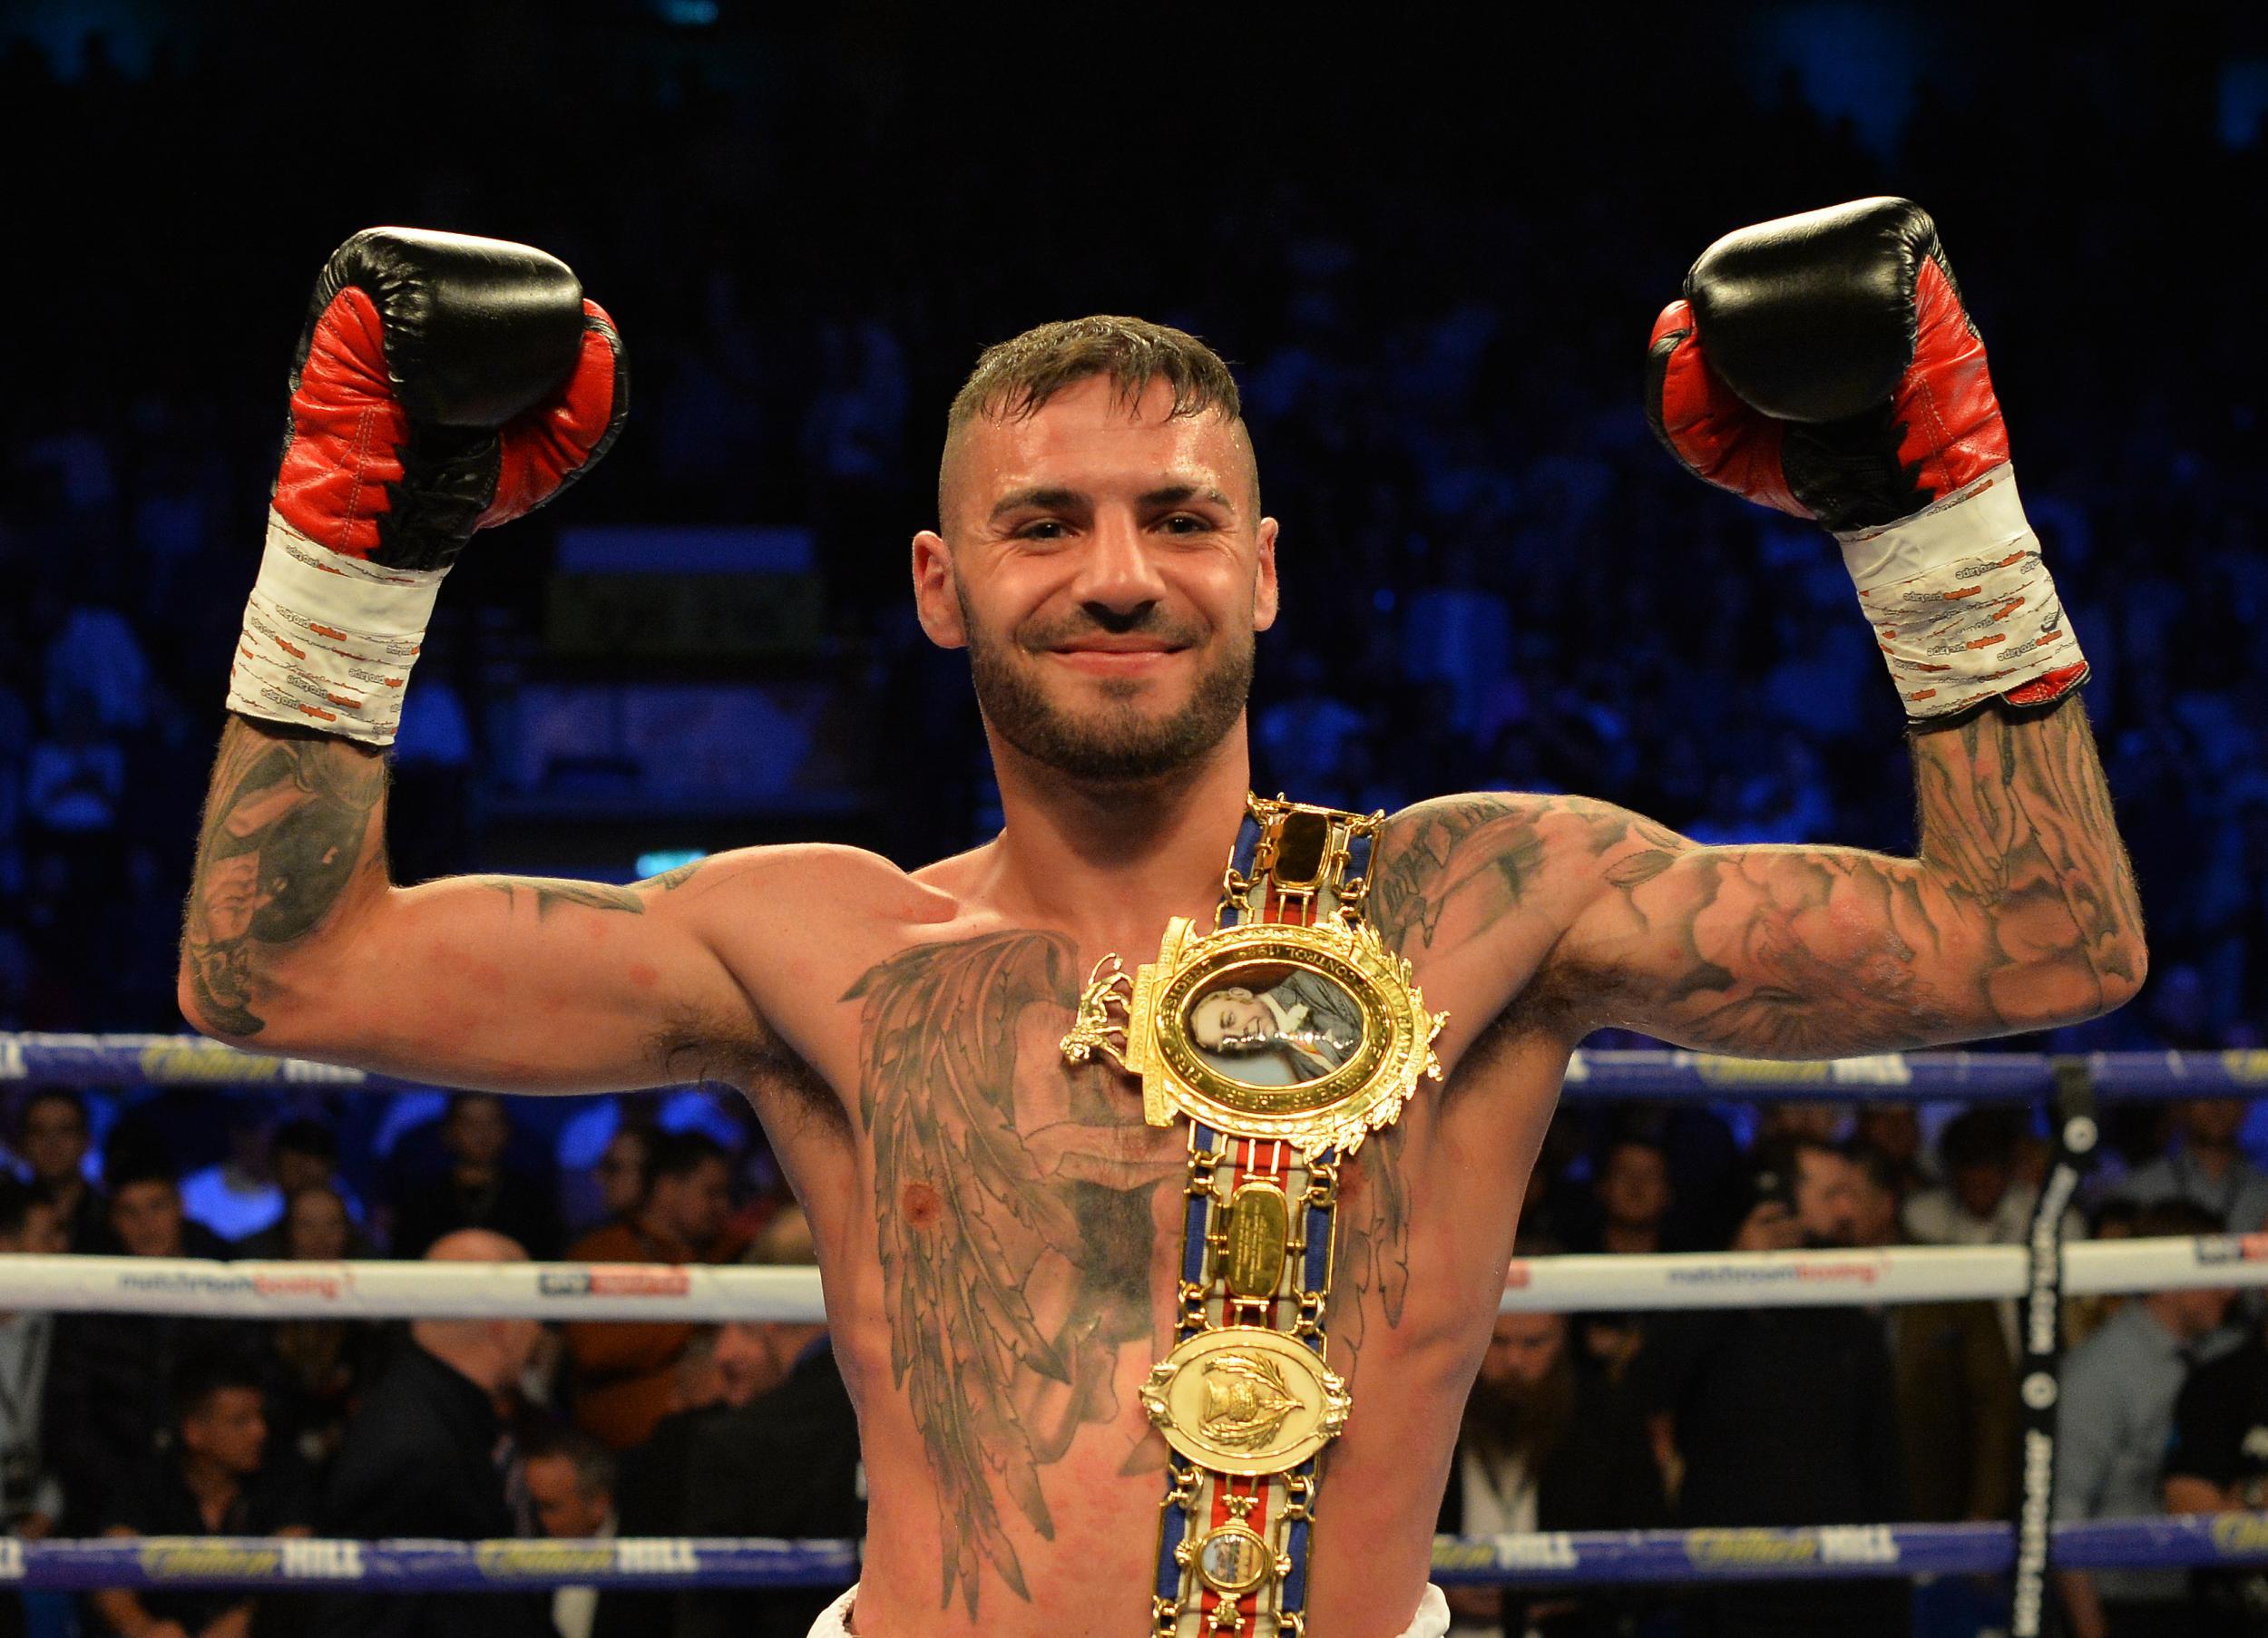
142	1424
455	1428
1492	578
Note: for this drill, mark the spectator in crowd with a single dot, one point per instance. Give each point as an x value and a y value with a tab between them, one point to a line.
1954	1381
30	1498
1984	1200
478	1187
425	1456
110	1383
2205	1165
1892	1133
1547	1444
805	1426
303	1155
1631	1198
2114	1423
2083	1316
2217	1462
625	1172
219	1477
321	1366
624	1371
1981	1200
570	1481
54	1139
1717	1382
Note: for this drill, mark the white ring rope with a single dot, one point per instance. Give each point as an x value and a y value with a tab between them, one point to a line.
1572	1285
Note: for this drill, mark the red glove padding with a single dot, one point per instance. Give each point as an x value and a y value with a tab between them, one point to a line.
445	384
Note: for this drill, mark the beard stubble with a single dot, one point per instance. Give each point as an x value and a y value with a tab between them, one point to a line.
1117	743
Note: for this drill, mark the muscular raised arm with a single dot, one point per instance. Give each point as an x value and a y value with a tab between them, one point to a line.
2019	912
295	941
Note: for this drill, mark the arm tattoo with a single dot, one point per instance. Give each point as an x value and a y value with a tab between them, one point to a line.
550	893
1010	1279
2020	907
2016	816
289	821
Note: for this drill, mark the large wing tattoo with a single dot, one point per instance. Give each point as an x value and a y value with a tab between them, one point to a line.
964	1212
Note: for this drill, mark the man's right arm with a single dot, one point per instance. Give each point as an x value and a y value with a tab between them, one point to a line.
296	942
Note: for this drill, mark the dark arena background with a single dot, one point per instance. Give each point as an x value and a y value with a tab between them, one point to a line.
1431	246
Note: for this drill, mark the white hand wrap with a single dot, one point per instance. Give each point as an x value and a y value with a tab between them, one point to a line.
1961	605
328	639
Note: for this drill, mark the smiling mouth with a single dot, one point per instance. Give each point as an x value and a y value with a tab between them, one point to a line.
1114	662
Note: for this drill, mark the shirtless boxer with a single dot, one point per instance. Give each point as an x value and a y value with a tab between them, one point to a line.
999	1230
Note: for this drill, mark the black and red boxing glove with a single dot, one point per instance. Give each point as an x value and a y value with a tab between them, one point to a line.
1824	365
442	384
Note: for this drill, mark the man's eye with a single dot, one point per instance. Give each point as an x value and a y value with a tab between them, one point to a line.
1183	522
1044	529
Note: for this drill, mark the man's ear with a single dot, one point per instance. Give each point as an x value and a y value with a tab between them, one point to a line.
937	597
1263	579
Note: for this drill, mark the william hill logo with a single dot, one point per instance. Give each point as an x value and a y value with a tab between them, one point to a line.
165	1556
510	1559
2241	1534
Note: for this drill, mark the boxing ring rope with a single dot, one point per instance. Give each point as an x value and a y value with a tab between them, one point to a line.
2040	1272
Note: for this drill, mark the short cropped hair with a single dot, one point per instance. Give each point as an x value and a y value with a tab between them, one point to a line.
594	1463
203	1374
1013	379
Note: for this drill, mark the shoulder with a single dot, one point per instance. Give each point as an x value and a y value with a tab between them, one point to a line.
780	884
1514	848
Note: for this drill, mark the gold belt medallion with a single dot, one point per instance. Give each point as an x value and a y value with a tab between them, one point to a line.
1284	1036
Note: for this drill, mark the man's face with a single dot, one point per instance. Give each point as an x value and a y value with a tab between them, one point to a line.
230	1428
54	1140
1107	573
1979	1186
622	1173
746	1362
146	1217
41	1237
1634	1186
1523	1350
476	1131
1826	1198
694	1205
1229	1018
314	1228
562	1508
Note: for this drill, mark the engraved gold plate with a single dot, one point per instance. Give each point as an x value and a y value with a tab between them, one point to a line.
1241	1399
1315	1035
1259	1231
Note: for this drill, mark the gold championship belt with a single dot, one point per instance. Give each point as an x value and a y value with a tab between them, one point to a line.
1284	1037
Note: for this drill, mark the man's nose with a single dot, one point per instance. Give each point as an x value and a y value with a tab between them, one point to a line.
1116	575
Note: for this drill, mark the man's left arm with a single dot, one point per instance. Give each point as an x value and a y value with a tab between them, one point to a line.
1843	382
2018	913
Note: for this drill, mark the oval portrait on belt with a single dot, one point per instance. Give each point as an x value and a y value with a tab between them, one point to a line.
1272	1024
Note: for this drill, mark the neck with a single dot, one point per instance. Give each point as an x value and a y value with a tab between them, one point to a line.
1115	857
